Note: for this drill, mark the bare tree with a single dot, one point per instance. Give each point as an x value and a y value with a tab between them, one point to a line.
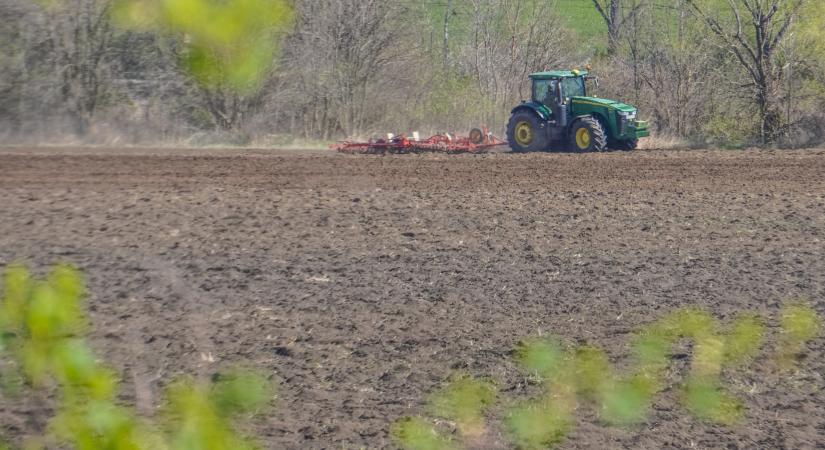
340	52
511	39
448	11
76	38
671	68
757	50
11	83
615	17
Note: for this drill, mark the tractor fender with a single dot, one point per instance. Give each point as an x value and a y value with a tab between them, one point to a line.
535	108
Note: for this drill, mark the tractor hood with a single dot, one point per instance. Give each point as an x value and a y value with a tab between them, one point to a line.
611	104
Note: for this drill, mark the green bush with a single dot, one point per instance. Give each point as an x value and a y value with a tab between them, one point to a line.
42	327
229	43
464	401
582	375
415	433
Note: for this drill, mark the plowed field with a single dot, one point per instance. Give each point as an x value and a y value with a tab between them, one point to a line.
361	282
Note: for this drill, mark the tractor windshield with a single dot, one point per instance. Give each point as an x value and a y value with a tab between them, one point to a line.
544	91
573	87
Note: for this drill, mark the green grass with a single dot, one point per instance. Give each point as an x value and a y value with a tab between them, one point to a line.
581	17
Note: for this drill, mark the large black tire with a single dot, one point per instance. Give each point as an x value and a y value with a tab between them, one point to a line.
588	135
526	132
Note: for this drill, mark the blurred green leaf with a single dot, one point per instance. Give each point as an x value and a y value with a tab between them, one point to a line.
540	424
35	360
227	44
694	323
591	370
651	347
707	401
100	424
744	339
68	285
53	313
49	321
464	401
708	355
241	391
73	362
194	422
799	323
16	293
415	433
628	401
541	356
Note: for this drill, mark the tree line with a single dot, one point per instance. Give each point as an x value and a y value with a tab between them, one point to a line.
703	72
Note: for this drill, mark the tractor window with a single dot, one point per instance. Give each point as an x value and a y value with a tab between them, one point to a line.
573	87
544	91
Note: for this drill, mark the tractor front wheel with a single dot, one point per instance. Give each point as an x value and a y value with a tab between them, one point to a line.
526	132
587	135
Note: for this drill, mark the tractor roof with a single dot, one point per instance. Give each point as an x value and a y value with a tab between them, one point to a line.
557	74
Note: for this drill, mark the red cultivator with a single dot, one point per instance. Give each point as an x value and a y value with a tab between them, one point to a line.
477	142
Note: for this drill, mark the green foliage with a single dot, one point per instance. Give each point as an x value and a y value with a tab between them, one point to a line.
90	424
585	21
448	96
42	325
545	421
40	322
651	346
707	401
240	391
539	424
196	417
415	433
799	324
14	300
727	130
591	371
542	357
228	44
627	401
691	323
583	374
744	339
464	400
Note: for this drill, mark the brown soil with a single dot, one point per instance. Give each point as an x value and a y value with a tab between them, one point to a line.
360	283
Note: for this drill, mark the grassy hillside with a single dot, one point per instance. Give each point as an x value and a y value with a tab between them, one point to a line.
581	17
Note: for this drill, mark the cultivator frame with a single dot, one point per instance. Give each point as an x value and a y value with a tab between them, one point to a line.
477	141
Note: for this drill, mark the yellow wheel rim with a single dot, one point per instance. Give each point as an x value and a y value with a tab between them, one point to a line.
583	138
524	133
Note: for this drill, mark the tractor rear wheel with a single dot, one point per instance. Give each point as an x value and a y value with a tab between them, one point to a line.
587	135
526	132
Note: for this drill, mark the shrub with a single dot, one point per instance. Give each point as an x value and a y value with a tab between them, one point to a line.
42	327
575	376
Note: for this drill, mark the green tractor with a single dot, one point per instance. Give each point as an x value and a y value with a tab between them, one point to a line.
561	112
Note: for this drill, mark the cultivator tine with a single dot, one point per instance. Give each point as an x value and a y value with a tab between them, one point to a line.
478	141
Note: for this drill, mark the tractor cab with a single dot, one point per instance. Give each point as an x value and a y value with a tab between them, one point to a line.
554	88
560	111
